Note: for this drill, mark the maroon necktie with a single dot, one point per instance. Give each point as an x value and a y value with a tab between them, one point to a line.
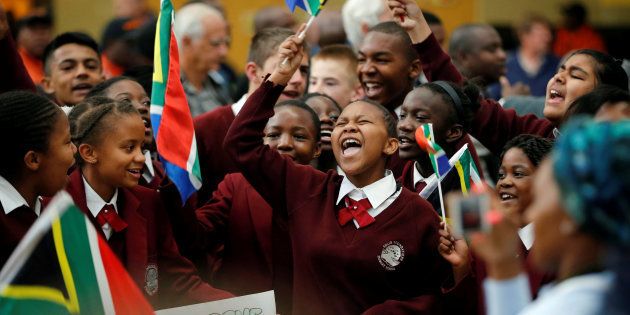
108	215
356	210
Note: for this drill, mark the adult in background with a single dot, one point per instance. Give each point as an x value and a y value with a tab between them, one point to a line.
576	33
32	34
359	16
203	40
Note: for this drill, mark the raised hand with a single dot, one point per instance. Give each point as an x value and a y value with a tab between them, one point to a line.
291	52
408	15
454	250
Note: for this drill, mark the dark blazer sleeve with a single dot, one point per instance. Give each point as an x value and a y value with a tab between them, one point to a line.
278	179
183	283
14	75
493	126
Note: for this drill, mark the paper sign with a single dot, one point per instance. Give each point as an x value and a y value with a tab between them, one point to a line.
254	304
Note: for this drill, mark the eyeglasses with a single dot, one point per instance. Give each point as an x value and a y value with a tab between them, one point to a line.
216	43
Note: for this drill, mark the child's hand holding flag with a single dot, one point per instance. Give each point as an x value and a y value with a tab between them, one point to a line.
292	52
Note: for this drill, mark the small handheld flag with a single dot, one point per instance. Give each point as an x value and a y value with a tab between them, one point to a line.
170	114
312	7
439	160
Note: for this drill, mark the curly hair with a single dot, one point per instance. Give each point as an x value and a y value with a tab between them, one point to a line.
534	147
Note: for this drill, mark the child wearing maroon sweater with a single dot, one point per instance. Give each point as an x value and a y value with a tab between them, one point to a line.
351	254
580	72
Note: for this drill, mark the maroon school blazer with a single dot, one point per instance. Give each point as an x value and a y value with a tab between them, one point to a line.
149	246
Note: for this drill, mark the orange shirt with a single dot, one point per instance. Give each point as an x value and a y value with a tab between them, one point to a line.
583	37
34	66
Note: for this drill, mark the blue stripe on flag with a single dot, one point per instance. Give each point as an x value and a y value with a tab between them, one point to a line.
156	119
180	178
443	165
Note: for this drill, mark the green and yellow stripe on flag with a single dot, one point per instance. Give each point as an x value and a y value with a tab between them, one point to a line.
62	266
466	169
312	7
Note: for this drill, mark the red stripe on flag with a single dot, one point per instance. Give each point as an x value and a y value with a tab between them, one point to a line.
126	296
176	128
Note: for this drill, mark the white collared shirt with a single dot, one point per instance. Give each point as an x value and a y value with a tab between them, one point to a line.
380	193
95	204
526	234
431	182
236	107
11	199
148	172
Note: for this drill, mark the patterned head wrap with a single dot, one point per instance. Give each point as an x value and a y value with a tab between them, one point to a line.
591	164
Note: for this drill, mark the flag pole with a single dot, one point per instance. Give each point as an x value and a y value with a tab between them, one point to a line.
437	173
302	34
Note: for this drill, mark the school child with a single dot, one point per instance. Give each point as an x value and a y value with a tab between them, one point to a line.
235	225
579	73
328	111
211	127
129	90
36	155
334	73
519	160
351	254
450	109
131	218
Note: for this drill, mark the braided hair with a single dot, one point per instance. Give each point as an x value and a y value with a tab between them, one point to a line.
534	147
93	124
101	88
85	105
26	122
469	98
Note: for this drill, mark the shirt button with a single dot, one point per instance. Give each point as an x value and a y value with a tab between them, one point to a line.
106	210
355	207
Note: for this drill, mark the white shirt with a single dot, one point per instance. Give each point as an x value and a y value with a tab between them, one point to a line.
148	172
380	193
526	234
236	107
95	204
579	295
431	182
11	199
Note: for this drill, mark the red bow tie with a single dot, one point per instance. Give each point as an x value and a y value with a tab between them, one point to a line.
356	210
108	215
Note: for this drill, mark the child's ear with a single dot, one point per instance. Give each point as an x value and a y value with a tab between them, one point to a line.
318	150
415	69
454	133
88	154
251	71
391	146
32	160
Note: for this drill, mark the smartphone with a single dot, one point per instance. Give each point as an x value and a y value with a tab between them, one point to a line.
468	214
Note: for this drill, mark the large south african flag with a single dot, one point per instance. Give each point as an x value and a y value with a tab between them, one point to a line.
170	114
63	266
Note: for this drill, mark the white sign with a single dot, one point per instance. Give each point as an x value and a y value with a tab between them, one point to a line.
254	304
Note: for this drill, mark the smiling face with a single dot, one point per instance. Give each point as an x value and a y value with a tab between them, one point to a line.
291	131
119	157
575	77
133	92
422	106
385	71
57	159
361	143
328	114
515	181
72	71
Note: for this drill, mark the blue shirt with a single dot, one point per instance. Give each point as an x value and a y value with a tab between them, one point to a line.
515	73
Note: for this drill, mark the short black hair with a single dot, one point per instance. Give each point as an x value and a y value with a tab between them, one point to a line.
78	38
469	96
608	70
590	103
392	28
534	147
463	39
26	123
312	114
91	126
101	88
388	118
431	18
308	96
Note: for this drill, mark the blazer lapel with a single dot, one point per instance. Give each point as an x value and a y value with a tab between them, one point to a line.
76	189
136	247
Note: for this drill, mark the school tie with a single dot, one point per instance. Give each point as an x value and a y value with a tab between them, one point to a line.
356	210
108	215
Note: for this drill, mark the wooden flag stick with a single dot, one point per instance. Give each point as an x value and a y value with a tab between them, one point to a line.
302	34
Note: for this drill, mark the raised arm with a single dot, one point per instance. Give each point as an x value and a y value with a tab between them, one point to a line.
14	75
278	179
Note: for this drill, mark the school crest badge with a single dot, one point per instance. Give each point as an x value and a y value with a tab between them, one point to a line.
151	279
392	255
